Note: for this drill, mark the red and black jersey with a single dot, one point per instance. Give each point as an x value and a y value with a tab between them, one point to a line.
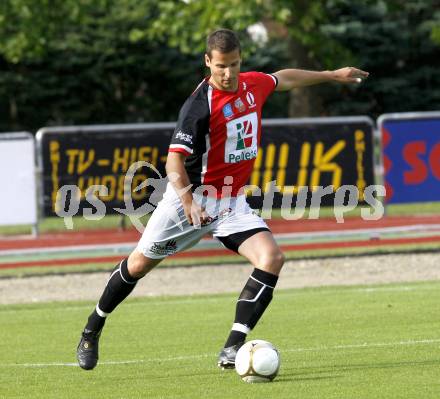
220	131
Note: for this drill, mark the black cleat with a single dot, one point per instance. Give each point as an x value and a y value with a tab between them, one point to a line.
87	351
226	358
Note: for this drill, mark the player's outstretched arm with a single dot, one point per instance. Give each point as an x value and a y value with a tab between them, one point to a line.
289	79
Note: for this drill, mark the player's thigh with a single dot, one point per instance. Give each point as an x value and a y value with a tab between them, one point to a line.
263	252
167	233
246	233
165	236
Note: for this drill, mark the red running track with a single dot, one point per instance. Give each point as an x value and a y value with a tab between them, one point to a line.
278	226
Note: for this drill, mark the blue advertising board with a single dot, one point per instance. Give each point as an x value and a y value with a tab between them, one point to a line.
411	156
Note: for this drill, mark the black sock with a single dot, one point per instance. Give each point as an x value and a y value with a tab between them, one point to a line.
119	286
251	304
95	322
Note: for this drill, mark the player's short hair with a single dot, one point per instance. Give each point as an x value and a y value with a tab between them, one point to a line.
223	40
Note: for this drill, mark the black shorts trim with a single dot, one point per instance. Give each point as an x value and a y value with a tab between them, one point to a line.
233	241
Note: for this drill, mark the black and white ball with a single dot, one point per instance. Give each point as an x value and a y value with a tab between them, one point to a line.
257	361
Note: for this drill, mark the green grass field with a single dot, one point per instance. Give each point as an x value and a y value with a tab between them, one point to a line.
341	342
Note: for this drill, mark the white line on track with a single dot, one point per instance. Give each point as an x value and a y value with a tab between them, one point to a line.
113	248
364	345
213	243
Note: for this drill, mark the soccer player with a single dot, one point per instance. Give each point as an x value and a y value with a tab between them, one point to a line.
210	160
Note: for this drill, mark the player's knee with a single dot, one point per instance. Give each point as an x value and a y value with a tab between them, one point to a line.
278	259
136	270
272	262
138	265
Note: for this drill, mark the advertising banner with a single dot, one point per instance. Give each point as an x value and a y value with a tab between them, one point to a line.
315	152
88	156
294	152
18	199
411	156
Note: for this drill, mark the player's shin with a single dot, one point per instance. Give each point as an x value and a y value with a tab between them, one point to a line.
251	304
119	286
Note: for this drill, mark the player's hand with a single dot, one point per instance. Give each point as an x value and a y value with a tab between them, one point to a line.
349	75
196	215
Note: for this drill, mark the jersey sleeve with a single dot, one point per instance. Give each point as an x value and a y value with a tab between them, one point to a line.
265	82
186	130
189	123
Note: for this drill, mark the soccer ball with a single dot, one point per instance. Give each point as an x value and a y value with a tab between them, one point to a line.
257	361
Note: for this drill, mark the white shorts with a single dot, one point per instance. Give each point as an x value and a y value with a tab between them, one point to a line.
168	231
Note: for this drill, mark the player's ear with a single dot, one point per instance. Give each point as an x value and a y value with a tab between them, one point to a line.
207	60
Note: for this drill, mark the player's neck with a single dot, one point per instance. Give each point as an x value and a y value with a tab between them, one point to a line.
218	87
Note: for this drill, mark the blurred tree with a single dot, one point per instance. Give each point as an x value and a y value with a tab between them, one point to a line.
78	61
29	28
186	23
394	41
88	66
398	42
110	61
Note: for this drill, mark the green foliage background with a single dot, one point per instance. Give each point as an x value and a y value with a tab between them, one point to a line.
116	61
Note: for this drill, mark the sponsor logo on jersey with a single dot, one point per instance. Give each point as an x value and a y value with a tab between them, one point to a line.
250	99
184	136
165	249
241	143
227	111
239	105
244	135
